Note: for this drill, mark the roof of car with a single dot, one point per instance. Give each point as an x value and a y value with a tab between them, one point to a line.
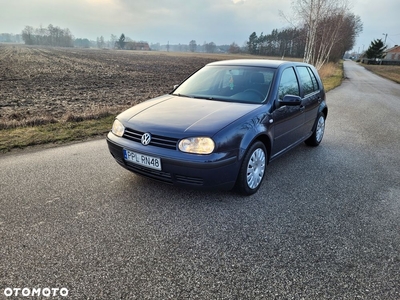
252	62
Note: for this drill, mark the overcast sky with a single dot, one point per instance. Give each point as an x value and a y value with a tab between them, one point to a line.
180	21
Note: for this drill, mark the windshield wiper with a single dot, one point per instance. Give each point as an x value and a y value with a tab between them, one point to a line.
182	95
199	97
209	98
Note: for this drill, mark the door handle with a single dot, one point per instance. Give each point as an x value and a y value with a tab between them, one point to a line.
302	107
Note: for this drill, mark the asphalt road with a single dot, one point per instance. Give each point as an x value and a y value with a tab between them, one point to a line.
324	225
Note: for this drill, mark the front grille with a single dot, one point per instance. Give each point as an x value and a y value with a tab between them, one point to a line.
155	174
164	176
189	180
156	140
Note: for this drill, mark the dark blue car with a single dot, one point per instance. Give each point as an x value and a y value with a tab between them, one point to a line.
221	126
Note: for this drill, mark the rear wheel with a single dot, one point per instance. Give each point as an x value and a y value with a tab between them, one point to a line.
252	170
318	133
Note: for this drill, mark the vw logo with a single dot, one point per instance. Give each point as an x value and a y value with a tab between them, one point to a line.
146	139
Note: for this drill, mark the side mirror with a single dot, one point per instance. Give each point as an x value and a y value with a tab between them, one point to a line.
175	86
290	100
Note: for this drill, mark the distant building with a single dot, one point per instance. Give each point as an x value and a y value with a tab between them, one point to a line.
393	53
134	46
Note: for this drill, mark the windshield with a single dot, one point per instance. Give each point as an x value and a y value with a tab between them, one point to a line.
228	83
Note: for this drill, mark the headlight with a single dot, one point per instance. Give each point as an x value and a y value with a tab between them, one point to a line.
117	128
198	145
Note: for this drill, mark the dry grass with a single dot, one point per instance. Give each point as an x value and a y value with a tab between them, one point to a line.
57	133
331	75
389	72
91	113
328	70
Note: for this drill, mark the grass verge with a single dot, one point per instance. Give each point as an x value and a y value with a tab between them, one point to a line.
68	131
331	75
386	71
57	133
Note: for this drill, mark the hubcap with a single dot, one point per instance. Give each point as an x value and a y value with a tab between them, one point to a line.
256	168
320	129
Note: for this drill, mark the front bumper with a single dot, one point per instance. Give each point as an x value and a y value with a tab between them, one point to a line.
199	171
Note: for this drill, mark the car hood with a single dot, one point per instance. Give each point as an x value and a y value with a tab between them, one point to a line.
183	116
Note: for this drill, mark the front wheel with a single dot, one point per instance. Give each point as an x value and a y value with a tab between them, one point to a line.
318	133
252	170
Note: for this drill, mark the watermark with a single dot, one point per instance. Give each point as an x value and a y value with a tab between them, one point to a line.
35	292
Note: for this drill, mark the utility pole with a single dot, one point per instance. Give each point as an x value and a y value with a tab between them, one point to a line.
385	34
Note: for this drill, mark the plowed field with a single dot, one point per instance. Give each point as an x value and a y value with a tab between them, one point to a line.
42	85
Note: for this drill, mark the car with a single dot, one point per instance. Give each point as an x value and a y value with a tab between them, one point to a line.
223	125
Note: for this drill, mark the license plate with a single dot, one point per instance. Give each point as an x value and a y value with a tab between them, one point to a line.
143	160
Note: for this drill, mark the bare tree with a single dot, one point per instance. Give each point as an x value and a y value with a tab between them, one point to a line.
100	42
52	36
192	46
28	35
234	48
210	47
323	20
113	39
350	28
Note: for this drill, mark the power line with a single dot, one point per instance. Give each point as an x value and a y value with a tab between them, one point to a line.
392	40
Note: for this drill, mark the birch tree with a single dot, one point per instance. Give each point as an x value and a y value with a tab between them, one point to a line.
323	20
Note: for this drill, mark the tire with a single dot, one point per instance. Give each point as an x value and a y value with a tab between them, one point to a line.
252	170
318	133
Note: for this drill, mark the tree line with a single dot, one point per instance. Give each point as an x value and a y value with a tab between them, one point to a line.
10	38
320	31
325	32
286	42
50	36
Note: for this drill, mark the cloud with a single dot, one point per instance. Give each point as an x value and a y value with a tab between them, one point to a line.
179	21
378	19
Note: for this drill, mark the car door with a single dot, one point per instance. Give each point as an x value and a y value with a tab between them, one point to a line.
310	91
288	120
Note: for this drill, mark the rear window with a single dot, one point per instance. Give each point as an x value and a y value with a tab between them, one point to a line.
308	81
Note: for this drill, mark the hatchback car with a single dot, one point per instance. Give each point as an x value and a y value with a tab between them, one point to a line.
223	125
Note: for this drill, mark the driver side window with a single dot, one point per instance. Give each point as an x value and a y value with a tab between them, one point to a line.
289	84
